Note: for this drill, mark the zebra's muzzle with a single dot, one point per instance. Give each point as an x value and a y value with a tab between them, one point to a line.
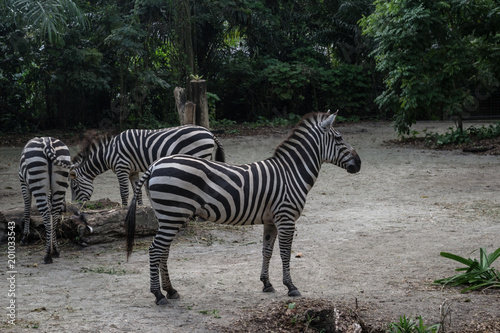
354	164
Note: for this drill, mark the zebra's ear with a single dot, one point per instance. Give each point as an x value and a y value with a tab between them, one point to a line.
328	122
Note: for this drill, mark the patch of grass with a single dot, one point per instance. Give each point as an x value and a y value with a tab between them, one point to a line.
214	313
478	274
408	325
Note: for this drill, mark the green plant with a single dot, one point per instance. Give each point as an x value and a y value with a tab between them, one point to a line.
215	313
453	136
477	274
483	132
457	136
196	77
223	122
408	325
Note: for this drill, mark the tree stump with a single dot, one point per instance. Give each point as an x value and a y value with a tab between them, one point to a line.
180	102
190	113
199	97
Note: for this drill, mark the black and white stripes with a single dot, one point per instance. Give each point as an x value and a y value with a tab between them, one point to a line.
43	172
270	192
133	151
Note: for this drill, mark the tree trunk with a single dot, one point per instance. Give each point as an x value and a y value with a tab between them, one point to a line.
107	224
199	97
180	102
190	113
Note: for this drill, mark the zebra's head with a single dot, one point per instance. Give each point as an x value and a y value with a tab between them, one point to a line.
81	186
335	149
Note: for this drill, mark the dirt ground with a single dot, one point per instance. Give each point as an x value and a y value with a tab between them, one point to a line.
368	242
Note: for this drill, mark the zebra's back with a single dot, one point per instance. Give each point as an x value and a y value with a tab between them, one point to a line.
138	149
37	169
184	185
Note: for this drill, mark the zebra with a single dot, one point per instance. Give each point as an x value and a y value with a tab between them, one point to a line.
43	172
132	151
270	192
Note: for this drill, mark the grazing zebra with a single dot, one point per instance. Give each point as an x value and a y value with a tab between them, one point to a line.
43	172
133	151
271	192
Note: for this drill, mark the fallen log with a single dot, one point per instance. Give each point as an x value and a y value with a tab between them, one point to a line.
91	226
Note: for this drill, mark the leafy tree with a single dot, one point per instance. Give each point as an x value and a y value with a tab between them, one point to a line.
48	19
433	54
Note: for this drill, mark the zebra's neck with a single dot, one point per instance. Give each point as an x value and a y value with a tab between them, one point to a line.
300	155
96	160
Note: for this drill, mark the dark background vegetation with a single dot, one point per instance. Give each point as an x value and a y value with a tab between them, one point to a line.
74	64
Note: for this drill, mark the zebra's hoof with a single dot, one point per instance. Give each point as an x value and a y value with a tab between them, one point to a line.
160	298
162	301
268	289
24	241
47	260
55	255
173	295
294	293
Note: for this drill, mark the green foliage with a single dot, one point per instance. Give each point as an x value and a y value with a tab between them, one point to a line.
452	136
48	19
433	54
478	274
72	63
483	132
212	100
214	313
457	136
408	325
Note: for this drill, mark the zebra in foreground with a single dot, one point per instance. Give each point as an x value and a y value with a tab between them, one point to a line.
43	172
133	151
270	192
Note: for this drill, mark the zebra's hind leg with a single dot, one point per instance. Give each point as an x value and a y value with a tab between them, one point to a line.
269	238
165	278
56	218
27	213
158	255
156	252
47	221
285	242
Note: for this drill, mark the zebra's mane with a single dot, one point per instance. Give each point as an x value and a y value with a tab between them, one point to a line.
90	140
307	120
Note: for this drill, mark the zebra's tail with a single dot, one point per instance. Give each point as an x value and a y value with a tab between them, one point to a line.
130	218
220	155
51	155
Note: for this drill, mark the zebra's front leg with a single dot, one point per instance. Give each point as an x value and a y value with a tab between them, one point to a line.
269	238
285	235
165	278
123	178
134	179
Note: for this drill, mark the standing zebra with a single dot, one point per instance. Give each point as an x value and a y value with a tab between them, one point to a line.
133	151
271	192
43	172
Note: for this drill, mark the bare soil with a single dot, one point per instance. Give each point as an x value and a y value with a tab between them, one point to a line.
366	249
